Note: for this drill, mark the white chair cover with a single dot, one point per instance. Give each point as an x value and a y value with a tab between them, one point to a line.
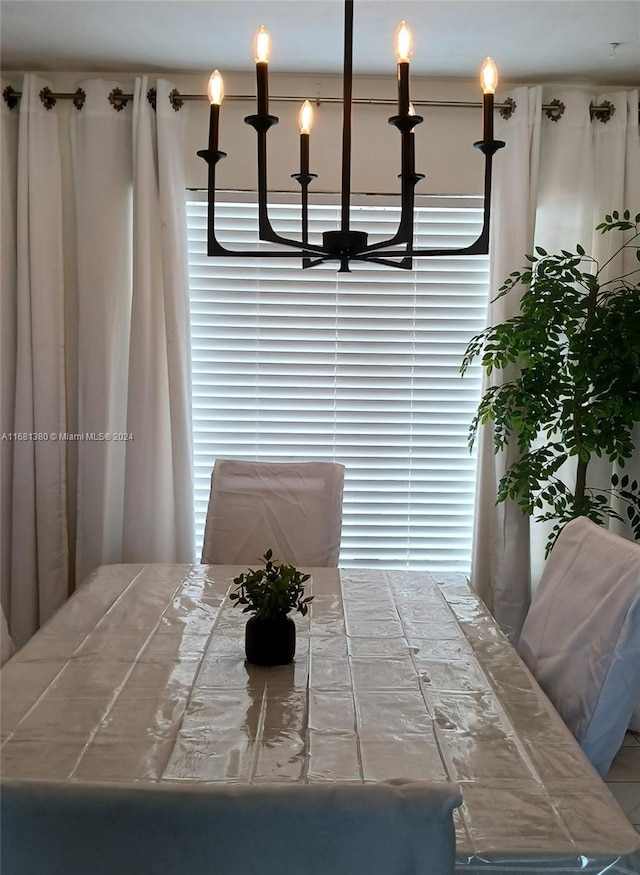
581	637
292	508
77	828
634	725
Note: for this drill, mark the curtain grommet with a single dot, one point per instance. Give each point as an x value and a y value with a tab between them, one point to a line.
175	99
602	111
47	98
79	98
555	110
11	97
118	99
508	108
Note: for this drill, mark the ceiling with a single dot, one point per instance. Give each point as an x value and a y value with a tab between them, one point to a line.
530	40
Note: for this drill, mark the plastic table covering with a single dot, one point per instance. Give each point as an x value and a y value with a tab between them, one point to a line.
141	677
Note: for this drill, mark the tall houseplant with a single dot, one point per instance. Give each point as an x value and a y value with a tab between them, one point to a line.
576	392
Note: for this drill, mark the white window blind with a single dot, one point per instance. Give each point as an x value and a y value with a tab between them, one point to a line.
360	368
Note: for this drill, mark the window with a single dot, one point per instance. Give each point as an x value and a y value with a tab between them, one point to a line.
360	368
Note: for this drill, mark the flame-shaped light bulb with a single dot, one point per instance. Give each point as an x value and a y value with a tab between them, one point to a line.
305	117
215	88
403	42
489	76
261	45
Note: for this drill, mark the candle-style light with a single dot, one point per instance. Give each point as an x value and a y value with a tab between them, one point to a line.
261	52
489	82
305	120
403	45
215	92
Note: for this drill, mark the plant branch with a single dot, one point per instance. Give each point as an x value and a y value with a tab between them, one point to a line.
619	250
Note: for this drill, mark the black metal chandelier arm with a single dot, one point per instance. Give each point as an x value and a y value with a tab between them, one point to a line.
268	235
488	150
214	247
480	246
212	155
474	248
256	253
306	251
409	179
304	182
405	226
262	123
308	262
402	235
405	263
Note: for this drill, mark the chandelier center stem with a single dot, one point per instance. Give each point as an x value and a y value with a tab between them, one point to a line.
347	95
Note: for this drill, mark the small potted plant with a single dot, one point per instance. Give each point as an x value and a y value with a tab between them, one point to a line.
270	594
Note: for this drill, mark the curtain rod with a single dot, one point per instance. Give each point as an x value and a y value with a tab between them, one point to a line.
119	100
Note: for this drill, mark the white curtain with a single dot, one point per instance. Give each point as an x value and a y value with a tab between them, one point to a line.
123	293
8	203
8	252
102	163
500	561
566	175
158	507
134	495
34	484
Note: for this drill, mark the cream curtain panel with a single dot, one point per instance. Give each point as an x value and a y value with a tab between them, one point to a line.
35	558
95	340
554	183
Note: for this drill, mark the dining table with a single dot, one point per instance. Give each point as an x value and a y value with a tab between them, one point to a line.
398	675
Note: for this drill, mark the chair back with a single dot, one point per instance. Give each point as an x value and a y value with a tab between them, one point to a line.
292	508
581	636
76	828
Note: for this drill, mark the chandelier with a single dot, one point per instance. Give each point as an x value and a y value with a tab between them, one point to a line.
344	245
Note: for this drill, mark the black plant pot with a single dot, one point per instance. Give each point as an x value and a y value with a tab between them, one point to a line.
270	640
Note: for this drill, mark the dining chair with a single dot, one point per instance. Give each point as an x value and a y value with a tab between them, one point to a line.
291	508
80	828
581	636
